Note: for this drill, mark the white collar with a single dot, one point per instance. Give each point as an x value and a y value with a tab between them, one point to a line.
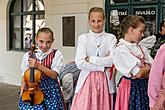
122	41
97	34
40	52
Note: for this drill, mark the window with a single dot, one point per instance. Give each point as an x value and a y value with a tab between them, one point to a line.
163	12
118	1
149	14
25	18
115	17
116	10
145	0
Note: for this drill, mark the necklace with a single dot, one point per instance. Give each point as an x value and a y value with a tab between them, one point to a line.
98	41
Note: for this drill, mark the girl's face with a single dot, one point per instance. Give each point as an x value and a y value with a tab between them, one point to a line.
138	33
96	21
44	41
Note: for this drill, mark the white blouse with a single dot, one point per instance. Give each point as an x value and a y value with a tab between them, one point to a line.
126	59
57	61
100	49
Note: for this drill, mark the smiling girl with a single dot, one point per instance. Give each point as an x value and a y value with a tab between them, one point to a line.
94	58
49	61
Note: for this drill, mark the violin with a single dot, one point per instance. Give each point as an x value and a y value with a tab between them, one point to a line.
32	94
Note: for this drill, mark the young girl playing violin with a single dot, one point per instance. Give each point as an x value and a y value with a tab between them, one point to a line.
49	62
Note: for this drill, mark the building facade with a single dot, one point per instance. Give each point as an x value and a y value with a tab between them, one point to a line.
56	13
68	19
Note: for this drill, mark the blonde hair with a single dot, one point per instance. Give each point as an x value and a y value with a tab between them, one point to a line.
96	9
130	21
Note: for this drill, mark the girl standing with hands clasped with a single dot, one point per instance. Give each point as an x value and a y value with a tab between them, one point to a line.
49	62
94	58
133	62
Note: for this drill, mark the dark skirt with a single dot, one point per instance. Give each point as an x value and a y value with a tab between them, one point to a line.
52	97
138	95
133	94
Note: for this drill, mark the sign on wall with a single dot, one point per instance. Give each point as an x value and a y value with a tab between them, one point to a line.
68	25
116	16
149	15
145	0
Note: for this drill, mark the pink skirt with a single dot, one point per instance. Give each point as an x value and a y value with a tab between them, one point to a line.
123	94
94	94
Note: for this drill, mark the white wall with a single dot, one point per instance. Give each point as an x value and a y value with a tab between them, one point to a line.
68	52
9	60
55	10
61	8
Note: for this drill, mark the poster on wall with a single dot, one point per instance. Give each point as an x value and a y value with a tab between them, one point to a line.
145	0
116	16
163	13
118	1
68	31
149	15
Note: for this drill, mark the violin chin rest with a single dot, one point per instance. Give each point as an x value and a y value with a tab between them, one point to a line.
27	102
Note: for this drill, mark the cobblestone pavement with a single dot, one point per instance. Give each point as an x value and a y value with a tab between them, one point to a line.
9	97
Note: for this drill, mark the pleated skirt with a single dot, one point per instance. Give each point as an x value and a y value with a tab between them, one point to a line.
94	94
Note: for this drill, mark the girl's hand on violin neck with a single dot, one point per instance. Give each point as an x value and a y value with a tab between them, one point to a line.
33	63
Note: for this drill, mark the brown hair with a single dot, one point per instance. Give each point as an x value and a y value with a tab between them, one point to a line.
130	21
46	30
96	9
162	25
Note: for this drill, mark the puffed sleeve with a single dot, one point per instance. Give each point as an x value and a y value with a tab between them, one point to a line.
125	62
148	42
156	75
148	58
80	61
106	60
57	62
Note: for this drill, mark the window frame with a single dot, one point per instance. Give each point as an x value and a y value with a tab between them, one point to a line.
159	4
21	14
